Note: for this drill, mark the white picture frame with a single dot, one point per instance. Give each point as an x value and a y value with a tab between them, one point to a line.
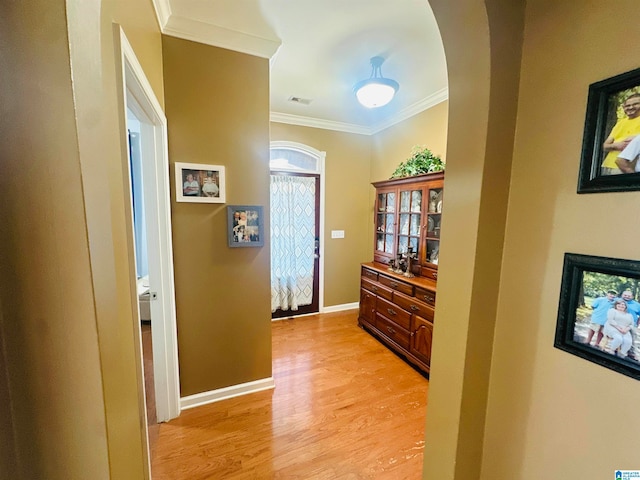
200	183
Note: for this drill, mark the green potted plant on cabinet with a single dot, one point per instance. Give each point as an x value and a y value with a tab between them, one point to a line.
422	161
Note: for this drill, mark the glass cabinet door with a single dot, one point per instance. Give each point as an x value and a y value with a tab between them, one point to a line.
410	220
434	218
385	222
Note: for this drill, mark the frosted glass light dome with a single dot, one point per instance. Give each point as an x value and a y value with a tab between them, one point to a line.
376	91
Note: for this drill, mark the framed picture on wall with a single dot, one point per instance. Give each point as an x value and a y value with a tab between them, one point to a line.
199	183
611	142
245	226
598	312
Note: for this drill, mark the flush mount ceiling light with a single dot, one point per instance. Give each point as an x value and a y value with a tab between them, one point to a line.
376	91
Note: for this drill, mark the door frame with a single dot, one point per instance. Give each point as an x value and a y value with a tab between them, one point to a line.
138	96
321	161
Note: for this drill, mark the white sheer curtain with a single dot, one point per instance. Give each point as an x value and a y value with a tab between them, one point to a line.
292	241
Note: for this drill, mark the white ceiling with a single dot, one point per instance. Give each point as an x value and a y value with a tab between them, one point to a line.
319	49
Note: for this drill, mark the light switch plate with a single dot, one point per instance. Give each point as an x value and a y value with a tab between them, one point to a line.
337	233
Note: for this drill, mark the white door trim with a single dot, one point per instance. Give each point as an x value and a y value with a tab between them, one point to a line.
321	156
139	97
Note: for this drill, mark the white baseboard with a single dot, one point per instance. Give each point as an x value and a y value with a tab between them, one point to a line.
340	308
331	309
204	398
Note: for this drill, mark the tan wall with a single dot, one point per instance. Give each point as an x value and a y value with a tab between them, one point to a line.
8	453
66	292
556	415
482	112
139	22
46	283
346	203
217	107
394	144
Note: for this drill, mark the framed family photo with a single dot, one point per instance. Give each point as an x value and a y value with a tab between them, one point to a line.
611	142
245	226
199	183
598	312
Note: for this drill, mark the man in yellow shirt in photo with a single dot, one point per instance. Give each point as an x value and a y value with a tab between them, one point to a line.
622	133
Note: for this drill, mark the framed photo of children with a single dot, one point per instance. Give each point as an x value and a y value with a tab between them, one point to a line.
199	183
611	141
598	311
245	226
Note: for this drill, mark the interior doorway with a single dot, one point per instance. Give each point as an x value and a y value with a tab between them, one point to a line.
142	269
140	103
297	227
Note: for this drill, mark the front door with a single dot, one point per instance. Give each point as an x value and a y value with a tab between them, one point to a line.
295	243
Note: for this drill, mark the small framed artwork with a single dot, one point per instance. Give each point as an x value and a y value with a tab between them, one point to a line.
598	312
199	183
245	226
611	142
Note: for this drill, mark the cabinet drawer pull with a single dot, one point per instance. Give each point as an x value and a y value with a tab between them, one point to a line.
428	298
414	308
375	289
391	330
393	284
435	275
391	311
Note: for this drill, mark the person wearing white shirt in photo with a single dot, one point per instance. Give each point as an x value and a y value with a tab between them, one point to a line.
627	160
209	187
191	188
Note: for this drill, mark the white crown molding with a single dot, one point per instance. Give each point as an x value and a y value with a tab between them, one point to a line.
211	396
317	123
217	36
431	101
424	104
163	12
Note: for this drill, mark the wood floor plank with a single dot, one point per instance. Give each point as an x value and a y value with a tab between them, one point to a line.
344	407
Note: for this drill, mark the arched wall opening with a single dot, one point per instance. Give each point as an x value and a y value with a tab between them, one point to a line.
482	41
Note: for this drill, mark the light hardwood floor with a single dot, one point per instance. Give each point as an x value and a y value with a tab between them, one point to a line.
344	407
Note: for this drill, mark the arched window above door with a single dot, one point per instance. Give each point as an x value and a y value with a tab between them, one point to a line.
295	157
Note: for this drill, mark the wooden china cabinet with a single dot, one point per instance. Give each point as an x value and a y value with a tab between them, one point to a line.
398	289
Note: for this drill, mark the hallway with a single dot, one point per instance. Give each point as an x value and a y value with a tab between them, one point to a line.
344	406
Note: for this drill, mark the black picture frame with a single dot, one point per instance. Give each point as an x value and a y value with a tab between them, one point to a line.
245	226
582	277
603	103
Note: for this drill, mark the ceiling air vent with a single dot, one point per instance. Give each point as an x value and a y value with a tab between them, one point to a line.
301	101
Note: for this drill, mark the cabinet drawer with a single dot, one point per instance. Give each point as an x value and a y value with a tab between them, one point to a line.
396	284
392	330
430	273
393	312
370	274
413	305
377	288
426	296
